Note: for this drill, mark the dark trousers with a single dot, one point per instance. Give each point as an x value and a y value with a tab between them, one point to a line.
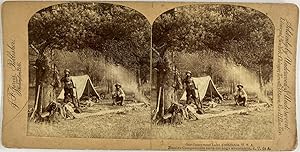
190	95
240	100
119	101
69	91
69	97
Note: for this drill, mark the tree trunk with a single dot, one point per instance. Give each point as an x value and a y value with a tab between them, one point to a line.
45	91
138	78
109	74
260	78
261	82
165	81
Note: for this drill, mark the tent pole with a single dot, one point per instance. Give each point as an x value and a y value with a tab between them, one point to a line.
163	102
89	91
210	94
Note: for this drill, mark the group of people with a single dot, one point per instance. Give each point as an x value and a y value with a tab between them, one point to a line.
118	95
191	89
69	95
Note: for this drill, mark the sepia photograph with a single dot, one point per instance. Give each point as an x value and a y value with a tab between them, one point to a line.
212	73
89	72
149	75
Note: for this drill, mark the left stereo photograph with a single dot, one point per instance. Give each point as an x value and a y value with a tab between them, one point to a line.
89	69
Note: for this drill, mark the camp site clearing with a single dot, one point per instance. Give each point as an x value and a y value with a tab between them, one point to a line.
102	120
136	124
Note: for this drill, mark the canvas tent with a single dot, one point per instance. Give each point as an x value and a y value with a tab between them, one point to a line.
205	87
84	87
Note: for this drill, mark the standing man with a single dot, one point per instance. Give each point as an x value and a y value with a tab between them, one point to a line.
68	87
240	95
190	87
118	95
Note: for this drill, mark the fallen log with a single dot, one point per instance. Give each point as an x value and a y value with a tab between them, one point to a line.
205	116
122	109
248	109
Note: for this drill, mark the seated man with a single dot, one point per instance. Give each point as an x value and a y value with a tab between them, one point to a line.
240	95
118	95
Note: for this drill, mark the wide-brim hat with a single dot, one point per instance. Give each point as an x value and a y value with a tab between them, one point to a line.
67	71
188	72
118	84
240	85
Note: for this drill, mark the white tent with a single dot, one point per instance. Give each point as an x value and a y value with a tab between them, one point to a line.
84	87
205	87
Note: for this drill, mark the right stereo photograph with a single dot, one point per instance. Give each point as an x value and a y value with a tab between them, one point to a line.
212	73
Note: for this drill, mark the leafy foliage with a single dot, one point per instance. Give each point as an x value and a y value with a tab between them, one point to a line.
119	34
234	33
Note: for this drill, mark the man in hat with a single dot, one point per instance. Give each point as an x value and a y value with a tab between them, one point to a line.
190	87
68	86
240	95
118	95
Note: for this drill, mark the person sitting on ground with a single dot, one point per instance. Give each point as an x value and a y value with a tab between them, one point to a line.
240	95
118	95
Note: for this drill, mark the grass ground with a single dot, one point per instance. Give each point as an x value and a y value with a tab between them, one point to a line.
256	125
136	124
133	124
